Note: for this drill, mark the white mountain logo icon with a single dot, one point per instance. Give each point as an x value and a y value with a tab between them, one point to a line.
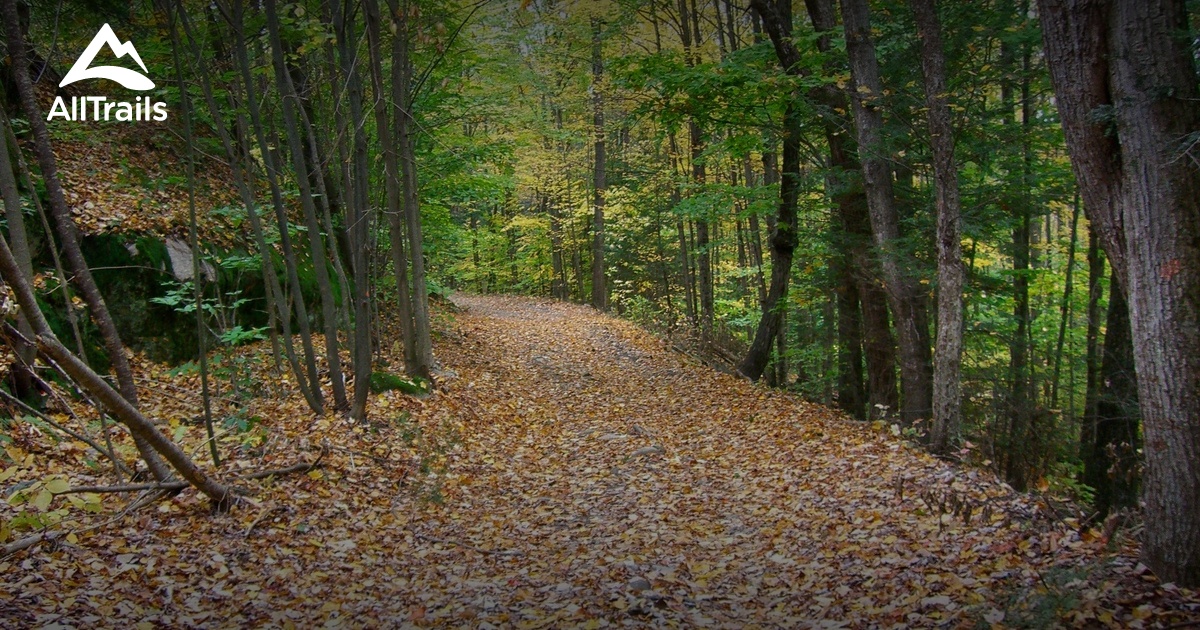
131	79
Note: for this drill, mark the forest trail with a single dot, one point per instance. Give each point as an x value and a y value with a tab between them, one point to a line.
638	485
575	472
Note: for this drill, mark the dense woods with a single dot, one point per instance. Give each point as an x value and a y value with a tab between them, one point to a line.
972	226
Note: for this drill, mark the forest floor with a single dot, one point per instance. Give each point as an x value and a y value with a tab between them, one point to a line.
572	471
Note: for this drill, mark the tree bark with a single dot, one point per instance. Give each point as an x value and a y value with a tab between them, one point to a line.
358	214
599	283
902	288
1064	308
844	186
1119	65
403	102
273	291
193	235
272	168
784	239
26	352
689	35
316	243
947	383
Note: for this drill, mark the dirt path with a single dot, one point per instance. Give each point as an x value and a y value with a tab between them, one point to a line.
573	472
612	464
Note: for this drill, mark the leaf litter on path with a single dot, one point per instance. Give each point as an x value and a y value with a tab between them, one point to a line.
573	471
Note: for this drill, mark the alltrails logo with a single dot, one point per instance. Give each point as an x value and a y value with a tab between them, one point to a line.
142	108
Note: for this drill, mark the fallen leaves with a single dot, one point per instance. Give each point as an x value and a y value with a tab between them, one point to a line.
572	472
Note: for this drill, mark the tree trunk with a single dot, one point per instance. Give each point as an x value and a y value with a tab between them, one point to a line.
1064	308
1092	391
316	243
903	290
689	35
1125	57
879	348
402	70
393	199
278	310
851	388
844	186
784	239
357	212
21	370
60	273
558	286
272	168
142	428
947	384
194	237
599	284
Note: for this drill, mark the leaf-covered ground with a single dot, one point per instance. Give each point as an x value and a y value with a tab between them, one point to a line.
572	472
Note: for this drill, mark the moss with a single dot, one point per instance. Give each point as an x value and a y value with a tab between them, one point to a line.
385	381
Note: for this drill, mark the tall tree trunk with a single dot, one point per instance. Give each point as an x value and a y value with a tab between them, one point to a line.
272	169
844	185
689	34
65	227
194	236
1092	391
704	275
392	192
558	286
1125	56
21	370
755	238
234	150
402	95
60	272
947	385
357	212
851	388
1064	308
784	239
902	288
879	349
320	257
599	284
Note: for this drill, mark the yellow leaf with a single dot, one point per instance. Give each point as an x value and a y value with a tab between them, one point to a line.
58	485
41	501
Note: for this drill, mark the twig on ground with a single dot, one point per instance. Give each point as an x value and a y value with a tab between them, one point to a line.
27	542
180	485
267	510
130	487
295	468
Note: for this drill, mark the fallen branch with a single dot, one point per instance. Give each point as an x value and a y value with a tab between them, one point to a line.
27	542
131	487
180	485
490	552
302	467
